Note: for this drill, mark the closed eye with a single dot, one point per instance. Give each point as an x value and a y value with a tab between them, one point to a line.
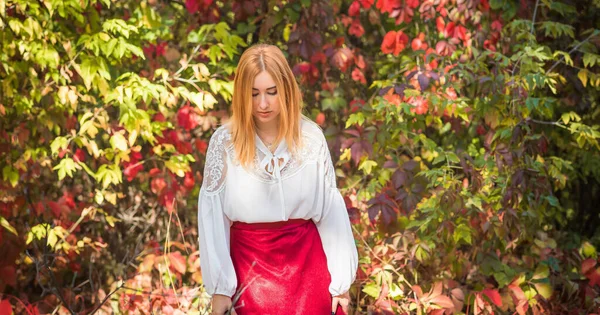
274	93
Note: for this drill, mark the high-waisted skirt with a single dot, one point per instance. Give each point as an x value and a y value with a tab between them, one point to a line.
281	268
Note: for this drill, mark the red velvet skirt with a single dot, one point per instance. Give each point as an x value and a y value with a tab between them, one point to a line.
281	268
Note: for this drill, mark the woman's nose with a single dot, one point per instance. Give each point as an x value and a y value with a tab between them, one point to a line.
263	102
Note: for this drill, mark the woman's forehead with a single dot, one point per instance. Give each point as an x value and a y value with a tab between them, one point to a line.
263	81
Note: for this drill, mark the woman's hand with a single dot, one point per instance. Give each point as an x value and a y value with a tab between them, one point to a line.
343	300
221	305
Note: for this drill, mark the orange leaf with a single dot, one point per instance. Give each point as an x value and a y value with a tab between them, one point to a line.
522	307
178	262
443	301
494	296
436	290
418	291
517	292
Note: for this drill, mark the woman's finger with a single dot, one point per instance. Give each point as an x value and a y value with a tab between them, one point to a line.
344	303
334	305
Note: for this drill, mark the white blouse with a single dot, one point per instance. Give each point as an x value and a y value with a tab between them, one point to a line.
278	187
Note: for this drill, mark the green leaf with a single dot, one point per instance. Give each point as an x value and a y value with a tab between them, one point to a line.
10	174
556	29
372	289
438	159
462	232
66	167
541	272
590	59
355	118
59	143
452	157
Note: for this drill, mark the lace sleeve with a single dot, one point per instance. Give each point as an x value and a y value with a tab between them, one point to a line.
327	165
335	230
215	167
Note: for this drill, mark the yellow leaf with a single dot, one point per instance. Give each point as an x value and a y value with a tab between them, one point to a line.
544	289
346	155
133	136
99	198
117	141
367	166
583	76
4	223
52	238
541	272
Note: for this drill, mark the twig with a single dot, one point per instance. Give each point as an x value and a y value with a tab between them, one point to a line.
572	50
106	298
534	14
7	26
45	255
532	32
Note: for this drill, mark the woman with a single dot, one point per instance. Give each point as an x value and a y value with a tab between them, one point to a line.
273	229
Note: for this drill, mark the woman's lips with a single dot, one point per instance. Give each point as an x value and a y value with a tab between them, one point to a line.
264	114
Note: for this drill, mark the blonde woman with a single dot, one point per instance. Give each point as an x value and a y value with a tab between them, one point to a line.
274	233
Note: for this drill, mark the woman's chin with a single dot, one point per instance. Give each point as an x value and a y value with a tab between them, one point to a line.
265	120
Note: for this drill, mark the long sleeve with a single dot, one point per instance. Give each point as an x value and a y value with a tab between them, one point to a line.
218	273
335	230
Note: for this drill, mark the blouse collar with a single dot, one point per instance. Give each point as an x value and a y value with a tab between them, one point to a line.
273	162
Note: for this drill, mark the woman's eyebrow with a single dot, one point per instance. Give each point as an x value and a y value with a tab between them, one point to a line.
267	88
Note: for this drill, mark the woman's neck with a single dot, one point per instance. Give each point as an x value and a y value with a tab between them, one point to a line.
269	129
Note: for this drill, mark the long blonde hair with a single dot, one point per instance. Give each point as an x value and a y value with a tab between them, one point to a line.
256	59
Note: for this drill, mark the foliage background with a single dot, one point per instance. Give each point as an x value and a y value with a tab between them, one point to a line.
466	135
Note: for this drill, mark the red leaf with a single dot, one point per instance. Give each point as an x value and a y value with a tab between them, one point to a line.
594	277
360	61
320	119
8	274
301	68
192	6
56	208
419	42
367	3
388	6
401	42
5	307
388	43
79	155
188	181
440	24
354	215
494	296
354	9
342	58
587	265
357	75
186	117
157	185
356	28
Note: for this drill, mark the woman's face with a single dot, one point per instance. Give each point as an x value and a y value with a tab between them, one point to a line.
265	100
